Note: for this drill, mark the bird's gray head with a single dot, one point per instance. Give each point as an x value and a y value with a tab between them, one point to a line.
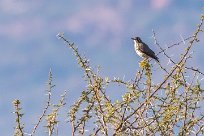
137	39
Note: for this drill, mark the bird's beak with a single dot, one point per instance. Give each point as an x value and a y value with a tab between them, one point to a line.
133	38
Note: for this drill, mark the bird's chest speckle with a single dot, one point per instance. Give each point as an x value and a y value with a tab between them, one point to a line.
141	54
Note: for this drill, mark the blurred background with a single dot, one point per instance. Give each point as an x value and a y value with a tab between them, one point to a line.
102	31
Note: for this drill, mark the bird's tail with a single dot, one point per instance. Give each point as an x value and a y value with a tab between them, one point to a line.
156	58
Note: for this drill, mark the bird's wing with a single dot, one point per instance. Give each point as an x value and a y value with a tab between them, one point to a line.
145	49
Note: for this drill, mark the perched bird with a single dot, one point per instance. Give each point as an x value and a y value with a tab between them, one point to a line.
143	50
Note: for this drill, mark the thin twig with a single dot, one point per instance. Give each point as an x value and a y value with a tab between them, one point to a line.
50	86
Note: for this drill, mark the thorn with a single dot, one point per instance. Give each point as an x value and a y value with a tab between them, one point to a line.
182	39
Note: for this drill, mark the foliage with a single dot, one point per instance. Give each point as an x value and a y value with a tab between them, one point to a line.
169	107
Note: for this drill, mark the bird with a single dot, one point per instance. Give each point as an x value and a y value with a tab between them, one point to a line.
143	49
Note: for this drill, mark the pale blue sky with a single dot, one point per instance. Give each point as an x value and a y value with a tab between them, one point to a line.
101	30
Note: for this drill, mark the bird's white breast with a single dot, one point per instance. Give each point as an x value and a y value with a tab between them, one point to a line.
138	51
